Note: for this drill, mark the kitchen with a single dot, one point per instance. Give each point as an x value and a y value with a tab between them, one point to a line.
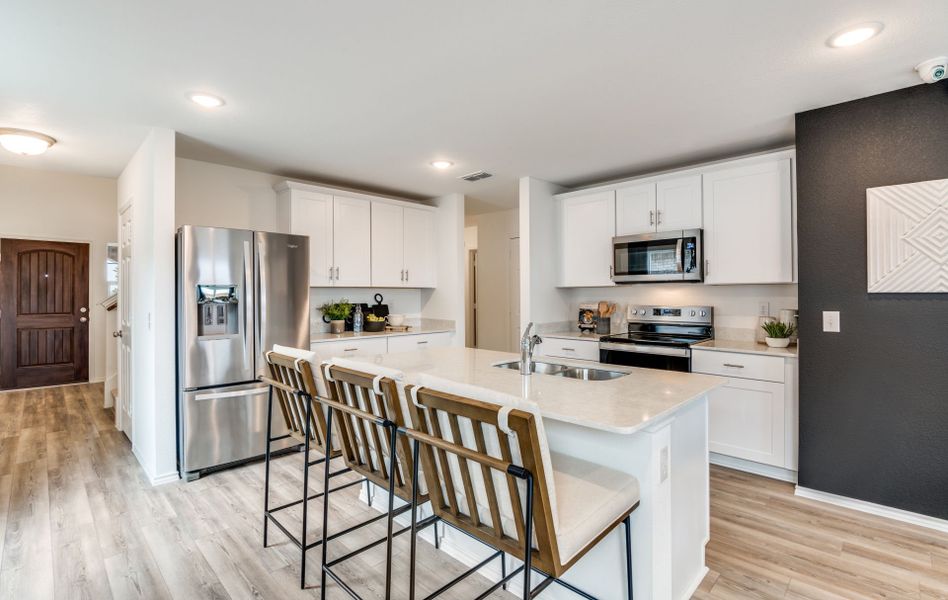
554	343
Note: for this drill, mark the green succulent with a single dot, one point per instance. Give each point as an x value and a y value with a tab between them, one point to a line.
336	311
778	329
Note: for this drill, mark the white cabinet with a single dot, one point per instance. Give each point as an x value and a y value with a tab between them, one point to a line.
587	225
403	246
568	348
352	242
678	203
663	206
748	223
350	347
635	209
754	416
310	213
421	341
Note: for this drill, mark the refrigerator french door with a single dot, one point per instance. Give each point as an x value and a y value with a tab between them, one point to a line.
238	293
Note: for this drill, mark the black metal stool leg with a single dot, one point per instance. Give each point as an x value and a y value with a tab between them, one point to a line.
528	540
266	469
392	477
437	537
628	552
322	585
309	426
414	519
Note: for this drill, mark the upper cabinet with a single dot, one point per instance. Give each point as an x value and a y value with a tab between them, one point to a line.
403	246
748	223
665	205
357	241
587	225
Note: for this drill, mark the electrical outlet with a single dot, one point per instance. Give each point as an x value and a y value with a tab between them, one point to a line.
763	309
664	467
831	321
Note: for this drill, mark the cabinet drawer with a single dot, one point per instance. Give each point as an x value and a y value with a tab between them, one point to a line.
421	341
734	364
569	348
354	347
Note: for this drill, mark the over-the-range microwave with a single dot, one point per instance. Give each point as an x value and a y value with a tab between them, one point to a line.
654	257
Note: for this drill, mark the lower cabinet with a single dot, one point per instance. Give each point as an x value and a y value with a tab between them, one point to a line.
568	348
380	345
754	416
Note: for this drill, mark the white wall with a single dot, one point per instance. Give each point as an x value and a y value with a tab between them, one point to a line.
540	300
447	300
65	207
148	183
219	196
494	232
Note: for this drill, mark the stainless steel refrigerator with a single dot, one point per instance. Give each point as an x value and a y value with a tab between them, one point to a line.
238	293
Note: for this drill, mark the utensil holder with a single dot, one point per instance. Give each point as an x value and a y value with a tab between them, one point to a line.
604	325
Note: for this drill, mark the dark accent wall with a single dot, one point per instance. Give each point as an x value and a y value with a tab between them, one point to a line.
874	397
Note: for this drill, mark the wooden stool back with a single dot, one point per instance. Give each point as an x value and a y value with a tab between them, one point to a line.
365	444
292	379
468	485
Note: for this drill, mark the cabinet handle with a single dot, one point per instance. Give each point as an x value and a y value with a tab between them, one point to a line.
349	349
406	274
337	273
658	217
424	342
569	349
611	271
330	274
733	366
651	217
401	275
707	267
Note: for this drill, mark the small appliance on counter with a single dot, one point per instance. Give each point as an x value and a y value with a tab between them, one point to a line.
378	309
588	319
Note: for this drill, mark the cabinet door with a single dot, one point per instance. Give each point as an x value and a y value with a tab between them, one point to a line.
420	265
352	241
746	420
587	226
388	266
748	224
311	214
635	209
678	203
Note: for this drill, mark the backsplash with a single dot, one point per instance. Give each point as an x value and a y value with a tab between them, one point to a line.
404	301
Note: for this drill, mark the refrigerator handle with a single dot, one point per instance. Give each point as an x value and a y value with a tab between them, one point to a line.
250	332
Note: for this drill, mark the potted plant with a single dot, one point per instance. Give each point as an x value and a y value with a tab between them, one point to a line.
336	313
778	333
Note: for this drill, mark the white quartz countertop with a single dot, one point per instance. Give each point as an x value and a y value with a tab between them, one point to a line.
574	334
325	336
746	347
624	405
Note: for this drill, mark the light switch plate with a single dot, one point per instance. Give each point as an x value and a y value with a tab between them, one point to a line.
763	309
831	321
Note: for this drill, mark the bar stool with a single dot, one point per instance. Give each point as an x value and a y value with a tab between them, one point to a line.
367	403
490	473
293	383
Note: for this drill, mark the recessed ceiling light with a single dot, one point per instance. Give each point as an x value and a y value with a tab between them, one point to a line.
854	35
24	142
206	100
442	164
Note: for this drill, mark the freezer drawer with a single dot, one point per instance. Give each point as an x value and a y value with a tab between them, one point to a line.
217	426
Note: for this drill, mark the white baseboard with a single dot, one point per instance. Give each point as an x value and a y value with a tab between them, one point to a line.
163	479
749	466
879	510
691	589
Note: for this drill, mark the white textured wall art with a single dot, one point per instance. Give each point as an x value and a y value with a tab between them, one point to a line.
908	237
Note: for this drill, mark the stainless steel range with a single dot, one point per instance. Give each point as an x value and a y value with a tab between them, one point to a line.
659	337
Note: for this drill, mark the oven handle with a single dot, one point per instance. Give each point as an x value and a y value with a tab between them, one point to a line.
642	349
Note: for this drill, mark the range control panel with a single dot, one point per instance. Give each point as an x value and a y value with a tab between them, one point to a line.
670	314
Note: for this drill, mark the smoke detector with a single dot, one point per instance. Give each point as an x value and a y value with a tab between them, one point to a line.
933	69
475	176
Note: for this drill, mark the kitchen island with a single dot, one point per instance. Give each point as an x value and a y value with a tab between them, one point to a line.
651	424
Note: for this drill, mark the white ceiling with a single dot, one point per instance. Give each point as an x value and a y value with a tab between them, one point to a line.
367	93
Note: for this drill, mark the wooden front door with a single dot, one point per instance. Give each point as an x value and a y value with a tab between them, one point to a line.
44	313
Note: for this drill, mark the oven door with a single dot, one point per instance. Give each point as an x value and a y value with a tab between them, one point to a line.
666	256
666	358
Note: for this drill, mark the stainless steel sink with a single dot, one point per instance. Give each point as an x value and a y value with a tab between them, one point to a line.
585	373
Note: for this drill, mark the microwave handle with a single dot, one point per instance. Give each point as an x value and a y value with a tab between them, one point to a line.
678	257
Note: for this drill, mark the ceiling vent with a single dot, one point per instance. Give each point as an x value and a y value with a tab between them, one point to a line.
475	176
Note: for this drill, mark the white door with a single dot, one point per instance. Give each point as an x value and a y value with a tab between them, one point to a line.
513	291
312	216
635	209
352	241
587	226
388	256
748	224
123	412
678	203
420	257
746	420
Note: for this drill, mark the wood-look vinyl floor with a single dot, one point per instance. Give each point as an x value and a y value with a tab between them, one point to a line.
78	519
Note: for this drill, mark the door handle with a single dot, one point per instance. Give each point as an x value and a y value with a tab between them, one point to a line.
83	319
83	310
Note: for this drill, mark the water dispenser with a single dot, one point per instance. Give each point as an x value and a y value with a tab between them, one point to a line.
217	310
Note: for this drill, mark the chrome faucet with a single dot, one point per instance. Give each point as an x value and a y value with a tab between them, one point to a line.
527	342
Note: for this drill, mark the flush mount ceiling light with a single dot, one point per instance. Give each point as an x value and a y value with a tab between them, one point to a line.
24	142
442	164
854	35
206	100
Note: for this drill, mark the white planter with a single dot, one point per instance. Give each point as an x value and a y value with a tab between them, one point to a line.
778	342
